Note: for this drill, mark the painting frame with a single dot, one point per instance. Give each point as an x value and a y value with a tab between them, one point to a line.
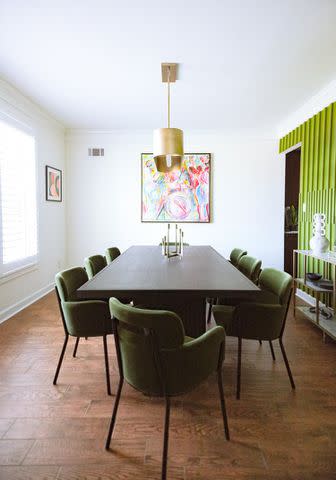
59	174
209	197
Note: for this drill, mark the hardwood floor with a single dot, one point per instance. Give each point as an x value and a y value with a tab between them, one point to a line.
58	432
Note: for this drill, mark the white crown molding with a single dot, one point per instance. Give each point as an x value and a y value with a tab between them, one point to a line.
242	135
16	99
311	107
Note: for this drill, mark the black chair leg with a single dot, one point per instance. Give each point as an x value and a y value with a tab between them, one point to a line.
272	350
211	301
260	342
239	367
287	364
107	368
222	400
114	413
165	440
76	346
61	358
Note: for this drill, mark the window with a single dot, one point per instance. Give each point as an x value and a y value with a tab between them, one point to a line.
18	212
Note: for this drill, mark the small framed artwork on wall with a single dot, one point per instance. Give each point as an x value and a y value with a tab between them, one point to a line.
178	196
53	184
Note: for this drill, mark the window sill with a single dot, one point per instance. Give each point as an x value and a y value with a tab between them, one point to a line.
18	272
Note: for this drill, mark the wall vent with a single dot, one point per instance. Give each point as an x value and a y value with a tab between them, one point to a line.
96	152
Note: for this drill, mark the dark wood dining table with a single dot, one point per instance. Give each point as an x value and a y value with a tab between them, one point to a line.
181	285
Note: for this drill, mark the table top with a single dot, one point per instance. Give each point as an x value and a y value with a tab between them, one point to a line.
144	270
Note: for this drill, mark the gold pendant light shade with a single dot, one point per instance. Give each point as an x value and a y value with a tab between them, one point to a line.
168	149
168	142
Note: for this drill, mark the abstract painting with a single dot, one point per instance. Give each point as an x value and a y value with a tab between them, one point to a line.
53	184
178	196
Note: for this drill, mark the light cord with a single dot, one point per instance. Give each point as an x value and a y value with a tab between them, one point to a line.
168	97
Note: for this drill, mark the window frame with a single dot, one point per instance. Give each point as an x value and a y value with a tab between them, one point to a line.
24	124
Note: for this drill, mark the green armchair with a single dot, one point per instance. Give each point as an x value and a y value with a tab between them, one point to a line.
89	318
236	254
94	264
156	358
250	267
259	321
111	254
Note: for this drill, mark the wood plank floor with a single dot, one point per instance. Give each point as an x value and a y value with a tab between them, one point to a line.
49	432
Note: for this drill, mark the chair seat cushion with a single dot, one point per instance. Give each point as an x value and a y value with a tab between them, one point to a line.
223	315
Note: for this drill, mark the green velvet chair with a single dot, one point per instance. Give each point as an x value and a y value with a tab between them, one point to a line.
86	318
250	267
259	321
155	357
236	255
111	254
94	264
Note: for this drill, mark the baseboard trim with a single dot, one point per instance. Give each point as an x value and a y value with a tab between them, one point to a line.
17	307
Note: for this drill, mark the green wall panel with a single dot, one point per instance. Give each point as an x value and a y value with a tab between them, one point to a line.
317	175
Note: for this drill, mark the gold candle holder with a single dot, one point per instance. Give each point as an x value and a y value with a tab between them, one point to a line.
178	252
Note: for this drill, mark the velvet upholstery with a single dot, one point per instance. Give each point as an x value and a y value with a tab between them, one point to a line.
156	358
259	321
89	318
236	255
84	318
68	281
250	267
185	362
94	264
111	254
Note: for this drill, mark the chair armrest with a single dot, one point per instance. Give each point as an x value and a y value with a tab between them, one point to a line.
191	363
87	318
259	321
209	340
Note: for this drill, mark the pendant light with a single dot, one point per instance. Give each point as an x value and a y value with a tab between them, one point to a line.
168	142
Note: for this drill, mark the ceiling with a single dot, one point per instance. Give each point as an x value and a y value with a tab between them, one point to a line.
244	64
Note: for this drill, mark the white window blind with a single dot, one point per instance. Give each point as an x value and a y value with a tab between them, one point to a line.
18	212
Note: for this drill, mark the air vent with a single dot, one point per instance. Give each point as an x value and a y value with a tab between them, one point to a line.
96	152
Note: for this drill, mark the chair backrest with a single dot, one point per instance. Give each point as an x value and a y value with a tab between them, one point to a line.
94	264
111	254
250	267
68	281
276	282
141	335
236	255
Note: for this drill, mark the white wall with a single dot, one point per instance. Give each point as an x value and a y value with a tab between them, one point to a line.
104	194
16	293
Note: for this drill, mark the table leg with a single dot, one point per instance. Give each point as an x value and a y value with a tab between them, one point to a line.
294	282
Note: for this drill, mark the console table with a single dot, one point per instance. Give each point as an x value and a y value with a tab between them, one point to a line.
327	325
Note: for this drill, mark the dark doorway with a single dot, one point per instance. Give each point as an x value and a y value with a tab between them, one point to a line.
292	190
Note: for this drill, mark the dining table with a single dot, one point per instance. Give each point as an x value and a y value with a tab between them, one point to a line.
179	284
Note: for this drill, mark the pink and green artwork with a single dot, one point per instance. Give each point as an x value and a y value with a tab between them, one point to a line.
179	196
